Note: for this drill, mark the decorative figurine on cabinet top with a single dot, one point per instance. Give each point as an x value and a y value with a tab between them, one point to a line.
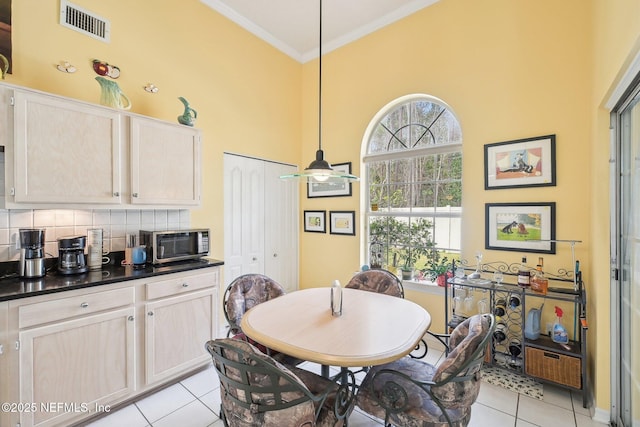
112	95
188	117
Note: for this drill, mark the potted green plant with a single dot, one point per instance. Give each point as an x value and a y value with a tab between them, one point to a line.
407	243
437	266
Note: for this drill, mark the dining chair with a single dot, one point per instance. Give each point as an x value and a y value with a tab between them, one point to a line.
410	392
256	390
384	282
245	292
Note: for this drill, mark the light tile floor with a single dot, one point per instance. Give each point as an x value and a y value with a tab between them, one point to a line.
195	402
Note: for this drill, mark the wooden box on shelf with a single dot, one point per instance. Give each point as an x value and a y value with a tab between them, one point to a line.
552	366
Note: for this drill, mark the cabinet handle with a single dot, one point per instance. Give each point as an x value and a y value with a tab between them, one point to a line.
275	255
116	194
130	318
1	349
254	259
84	305
150	313
134	195
185	285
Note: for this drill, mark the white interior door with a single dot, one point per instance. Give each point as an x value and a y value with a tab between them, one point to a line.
243	216
260	220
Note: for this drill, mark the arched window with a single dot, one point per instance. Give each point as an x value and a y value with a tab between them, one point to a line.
413	183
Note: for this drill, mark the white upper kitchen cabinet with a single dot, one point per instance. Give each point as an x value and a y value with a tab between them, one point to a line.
64	153
165	163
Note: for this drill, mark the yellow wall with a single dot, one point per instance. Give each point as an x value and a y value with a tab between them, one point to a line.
509	70
247	93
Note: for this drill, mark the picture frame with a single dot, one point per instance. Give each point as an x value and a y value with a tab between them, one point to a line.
315	221
342	222
521	227
529	162
331	188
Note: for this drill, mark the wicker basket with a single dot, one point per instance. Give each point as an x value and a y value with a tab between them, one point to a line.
551	366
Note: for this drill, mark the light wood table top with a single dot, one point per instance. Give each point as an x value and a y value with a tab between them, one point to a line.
373	329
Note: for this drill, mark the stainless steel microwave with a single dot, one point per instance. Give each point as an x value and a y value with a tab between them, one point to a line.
171	246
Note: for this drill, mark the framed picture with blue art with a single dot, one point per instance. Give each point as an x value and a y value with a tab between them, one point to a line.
529	162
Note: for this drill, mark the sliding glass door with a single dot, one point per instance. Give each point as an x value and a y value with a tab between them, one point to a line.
627	262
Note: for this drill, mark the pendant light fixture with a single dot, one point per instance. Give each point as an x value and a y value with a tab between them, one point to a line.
320	170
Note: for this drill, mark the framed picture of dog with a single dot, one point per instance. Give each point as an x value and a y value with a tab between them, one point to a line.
529	162
522	227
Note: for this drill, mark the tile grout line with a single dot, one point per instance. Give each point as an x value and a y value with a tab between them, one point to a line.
142	413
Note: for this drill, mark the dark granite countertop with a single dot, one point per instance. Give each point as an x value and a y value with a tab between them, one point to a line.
15	288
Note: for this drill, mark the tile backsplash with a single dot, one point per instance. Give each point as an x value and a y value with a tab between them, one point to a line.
67	222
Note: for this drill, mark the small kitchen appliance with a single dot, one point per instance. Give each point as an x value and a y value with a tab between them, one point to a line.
71	259
170	246
31	253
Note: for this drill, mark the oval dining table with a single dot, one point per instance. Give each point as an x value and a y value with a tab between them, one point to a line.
373	329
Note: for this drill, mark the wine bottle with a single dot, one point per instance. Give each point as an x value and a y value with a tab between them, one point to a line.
524	277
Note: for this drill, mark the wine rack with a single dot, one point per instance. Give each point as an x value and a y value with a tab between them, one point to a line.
541	359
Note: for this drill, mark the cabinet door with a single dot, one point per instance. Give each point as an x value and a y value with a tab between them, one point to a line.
81	363
4	362
165	163
176	330
65	151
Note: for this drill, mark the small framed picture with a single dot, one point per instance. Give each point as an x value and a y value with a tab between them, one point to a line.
521	227
342	222
314	221
529	162
332	187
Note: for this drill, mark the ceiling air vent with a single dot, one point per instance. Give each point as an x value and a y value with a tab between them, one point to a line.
83	21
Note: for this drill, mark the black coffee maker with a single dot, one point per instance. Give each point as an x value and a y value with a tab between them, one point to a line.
71	259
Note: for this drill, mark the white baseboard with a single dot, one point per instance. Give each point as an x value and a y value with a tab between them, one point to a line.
602	416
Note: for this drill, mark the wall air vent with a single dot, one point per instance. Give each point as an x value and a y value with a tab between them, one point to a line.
83	21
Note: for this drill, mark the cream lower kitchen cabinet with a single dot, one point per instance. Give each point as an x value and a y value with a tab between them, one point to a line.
165	163
4	361
76	356
180	317
74	353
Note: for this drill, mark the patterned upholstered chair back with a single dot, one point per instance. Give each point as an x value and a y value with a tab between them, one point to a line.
244	293
380	281
256	390
410	392
467	347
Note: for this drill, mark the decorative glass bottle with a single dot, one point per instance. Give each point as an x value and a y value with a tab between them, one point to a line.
524	277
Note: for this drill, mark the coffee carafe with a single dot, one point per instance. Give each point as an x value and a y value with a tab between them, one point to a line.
71	259
31	253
